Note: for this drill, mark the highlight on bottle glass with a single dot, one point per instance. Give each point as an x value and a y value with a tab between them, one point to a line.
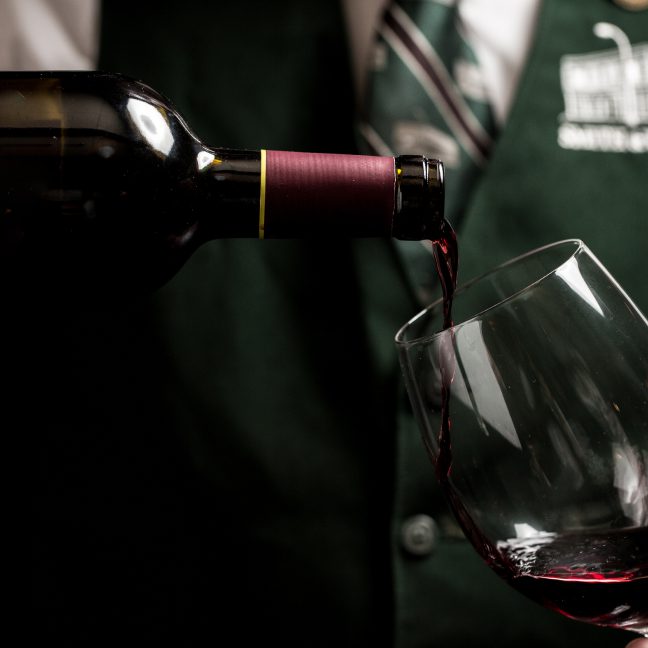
533	409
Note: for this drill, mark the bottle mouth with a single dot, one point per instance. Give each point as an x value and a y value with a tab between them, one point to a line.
420	197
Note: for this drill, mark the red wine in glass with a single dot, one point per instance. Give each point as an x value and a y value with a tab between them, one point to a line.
600	578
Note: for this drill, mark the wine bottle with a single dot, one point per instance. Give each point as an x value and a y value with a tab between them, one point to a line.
104	185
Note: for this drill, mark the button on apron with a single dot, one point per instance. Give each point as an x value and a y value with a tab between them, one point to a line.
419	535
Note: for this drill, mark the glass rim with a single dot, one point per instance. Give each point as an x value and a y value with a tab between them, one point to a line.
578	245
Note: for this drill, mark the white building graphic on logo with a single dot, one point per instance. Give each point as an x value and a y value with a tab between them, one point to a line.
606	96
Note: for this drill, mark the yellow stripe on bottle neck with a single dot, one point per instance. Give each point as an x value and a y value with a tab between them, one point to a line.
262	196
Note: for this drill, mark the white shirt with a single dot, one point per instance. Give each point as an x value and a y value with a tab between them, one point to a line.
64	34
49	34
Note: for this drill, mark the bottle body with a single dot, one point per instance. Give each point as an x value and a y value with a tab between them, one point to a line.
103	184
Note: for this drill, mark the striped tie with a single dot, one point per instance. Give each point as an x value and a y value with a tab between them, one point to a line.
426	96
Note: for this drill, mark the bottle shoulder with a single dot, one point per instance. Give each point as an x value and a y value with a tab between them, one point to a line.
35	104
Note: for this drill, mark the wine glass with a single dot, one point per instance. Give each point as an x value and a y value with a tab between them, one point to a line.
533	408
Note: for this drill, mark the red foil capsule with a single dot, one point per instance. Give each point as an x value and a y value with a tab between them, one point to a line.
330	194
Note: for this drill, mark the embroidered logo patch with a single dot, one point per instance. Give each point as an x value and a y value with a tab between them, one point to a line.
606	96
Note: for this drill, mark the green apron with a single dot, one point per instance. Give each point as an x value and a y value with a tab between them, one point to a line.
231	462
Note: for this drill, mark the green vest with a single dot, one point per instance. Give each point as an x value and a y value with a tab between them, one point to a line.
235	459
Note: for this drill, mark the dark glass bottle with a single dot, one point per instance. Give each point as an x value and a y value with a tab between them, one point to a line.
103	185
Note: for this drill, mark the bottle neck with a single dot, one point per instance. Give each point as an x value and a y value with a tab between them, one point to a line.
281	194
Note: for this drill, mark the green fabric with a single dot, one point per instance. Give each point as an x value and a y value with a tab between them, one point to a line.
600	197
230	462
